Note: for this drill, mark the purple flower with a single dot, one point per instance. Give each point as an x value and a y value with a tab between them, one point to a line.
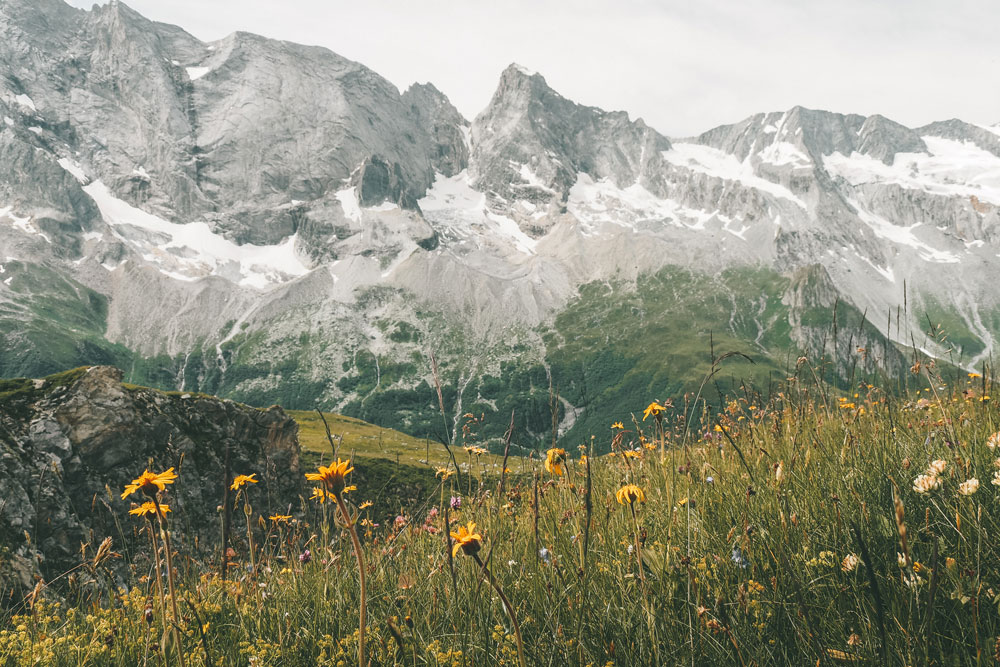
456	502
305	557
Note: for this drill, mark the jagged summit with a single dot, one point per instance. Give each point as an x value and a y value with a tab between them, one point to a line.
531	143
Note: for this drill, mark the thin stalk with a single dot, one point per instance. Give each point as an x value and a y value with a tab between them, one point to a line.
507	606
361	576
165	535
159	576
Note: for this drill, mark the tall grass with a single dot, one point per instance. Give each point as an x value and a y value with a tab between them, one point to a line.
782	533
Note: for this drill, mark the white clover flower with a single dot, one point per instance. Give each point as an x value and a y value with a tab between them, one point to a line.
968	487
926	483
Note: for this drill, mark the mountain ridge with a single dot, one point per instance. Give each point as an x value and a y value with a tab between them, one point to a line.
312	232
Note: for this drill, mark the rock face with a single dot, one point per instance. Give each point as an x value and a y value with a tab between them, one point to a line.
70	442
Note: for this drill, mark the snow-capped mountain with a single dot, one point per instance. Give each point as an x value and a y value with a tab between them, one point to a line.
275	222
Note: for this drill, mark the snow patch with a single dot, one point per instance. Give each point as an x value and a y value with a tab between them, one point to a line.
524	70
903	236
532	179
26	225
783	153
593	202
9	121
952	169
195	73
453	202
74	169
35	129
192	251
713	162
349	202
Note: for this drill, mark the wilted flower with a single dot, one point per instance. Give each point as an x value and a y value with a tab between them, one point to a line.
654	409
968	487
849	563
629	494
242	480
148	508
554	459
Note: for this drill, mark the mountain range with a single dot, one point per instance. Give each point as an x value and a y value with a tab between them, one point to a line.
273	222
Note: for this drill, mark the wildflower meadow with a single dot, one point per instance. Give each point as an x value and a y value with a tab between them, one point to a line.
808	527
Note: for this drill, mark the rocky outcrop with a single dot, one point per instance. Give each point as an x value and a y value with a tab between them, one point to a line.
70	442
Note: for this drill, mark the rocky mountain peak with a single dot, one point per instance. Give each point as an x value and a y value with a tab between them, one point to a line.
531	143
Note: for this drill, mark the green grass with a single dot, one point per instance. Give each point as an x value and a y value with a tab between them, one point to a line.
359	438
778	543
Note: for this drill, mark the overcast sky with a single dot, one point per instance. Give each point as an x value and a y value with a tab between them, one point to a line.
682	65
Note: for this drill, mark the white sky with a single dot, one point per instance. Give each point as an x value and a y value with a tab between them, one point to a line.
684	66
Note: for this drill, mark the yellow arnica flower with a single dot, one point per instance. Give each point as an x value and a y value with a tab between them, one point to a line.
467	539
148	483
444	473
148	508
365	505
618	425
553	461
280	518
242	480
629	494
320	494
332	477
653	408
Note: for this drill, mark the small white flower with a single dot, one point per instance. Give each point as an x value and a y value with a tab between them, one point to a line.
936	467
993	441
996	478
543	553
968	487
926	483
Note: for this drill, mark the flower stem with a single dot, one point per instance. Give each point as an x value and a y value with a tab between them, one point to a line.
165	535
159	576
361	576
507	605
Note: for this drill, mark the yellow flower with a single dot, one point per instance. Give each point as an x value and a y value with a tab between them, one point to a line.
280	518
242	480
444	473
148	508
333	476
654	409
618	425
365	505
553	461
629	494
631	454
148	483
467	539
321	494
